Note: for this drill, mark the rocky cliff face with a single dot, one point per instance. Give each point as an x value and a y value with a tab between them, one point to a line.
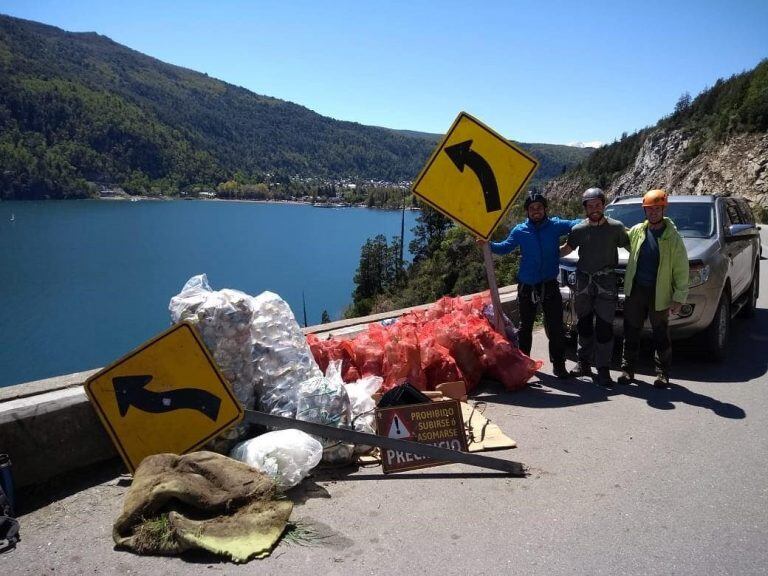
736	167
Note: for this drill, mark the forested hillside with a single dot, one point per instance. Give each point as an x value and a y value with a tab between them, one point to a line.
731	107
78	109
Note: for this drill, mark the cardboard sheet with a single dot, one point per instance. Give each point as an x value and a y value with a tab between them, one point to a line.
483	434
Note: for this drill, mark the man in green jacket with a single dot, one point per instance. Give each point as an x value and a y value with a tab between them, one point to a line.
655	286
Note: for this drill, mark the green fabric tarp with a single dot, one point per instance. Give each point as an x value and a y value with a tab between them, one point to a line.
201	500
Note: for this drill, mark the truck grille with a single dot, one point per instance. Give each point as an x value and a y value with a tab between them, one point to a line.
620	279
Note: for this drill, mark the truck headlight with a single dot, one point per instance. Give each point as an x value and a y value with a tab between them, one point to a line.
698	274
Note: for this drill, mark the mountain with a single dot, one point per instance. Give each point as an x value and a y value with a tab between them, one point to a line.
78	108
716	143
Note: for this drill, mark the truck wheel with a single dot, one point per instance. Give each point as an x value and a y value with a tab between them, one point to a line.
718	333
748	311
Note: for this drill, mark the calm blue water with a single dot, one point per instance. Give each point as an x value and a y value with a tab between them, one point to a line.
84	282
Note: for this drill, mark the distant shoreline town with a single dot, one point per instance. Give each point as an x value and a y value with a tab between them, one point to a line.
297	201
344	193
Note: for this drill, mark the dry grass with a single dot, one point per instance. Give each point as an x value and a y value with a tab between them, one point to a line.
301	534
156	535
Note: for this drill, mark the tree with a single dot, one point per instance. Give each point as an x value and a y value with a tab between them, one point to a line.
683	103
428	233
378	272
325	318
371	276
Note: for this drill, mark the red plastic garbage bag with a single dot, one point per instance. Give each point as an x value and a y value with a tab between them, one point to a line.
450	333
440	308
402	360
478	302
415	319
317	347
438	366
504	362
350	373
368	351
335	349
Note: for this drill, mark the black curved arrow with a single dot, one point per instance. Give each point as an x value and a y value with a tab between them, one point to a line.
131	391
461	154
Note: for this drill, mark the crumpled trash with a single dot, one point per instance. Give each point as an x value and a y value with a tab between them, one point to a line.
510	330
256	343
324	400
282	355
223	319
287	456
201	500
363	406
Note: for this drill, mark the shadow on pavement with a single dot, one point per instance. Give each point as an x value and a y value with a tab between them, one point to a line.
747	354
665	399
550	392
32	498
747	357
747	360
432	476
545	392
309	488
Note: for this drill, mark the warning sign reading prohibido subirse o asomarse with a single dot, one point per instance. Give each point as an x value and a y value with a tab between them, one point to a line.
437	423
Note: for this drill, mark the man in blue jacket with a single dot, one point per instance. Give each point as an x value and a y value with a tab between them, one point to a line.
539	241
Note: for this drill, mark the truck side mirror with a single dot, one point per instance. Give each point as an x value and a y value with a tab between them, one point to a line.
735	231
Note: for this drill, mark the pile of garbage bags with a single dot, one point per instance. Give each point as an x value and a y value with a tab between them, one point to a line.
452	340
256	343
262	352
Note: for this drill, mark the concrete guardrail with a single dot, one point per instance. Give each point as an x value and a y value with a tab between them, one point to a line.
49	428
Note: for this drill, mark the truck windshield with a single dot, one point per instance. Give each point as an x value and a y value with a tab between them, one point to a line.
693	220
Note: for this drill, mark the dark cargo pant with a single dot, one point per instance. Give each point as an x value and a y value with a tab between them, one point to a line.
595	306
529	296
639	306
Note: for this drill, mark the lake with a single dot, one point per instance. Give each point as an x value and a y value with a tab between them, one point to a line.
84	282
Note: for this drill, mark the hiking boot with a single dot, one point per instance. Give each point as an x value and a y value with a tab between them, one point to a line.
627	376
604	377
559	370
583	369
662	381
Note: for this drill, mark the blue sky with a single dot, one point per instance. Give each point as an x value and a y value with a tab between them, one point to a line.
557	72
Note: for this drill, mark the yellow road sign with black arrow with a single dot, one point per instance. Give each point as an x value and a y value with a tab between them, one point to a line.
166	396
474	175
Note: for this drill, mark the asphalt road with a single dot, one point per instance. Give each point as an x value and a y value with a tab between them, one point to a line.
633	481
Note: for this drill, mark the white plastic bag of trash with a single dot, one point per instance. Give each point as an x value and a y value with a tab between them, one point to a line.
363	406
282	356
285	455
324	400
223	318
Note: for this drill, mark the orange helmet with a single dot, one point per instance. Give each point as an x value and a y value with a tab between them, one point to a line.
655	198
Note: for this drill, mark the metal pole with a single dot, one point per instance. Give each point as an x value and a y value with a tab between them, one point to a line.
402	234
354	437
495	298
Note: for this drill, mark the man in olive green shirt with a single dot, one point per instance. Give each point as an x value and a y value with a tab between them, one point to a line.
598	239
